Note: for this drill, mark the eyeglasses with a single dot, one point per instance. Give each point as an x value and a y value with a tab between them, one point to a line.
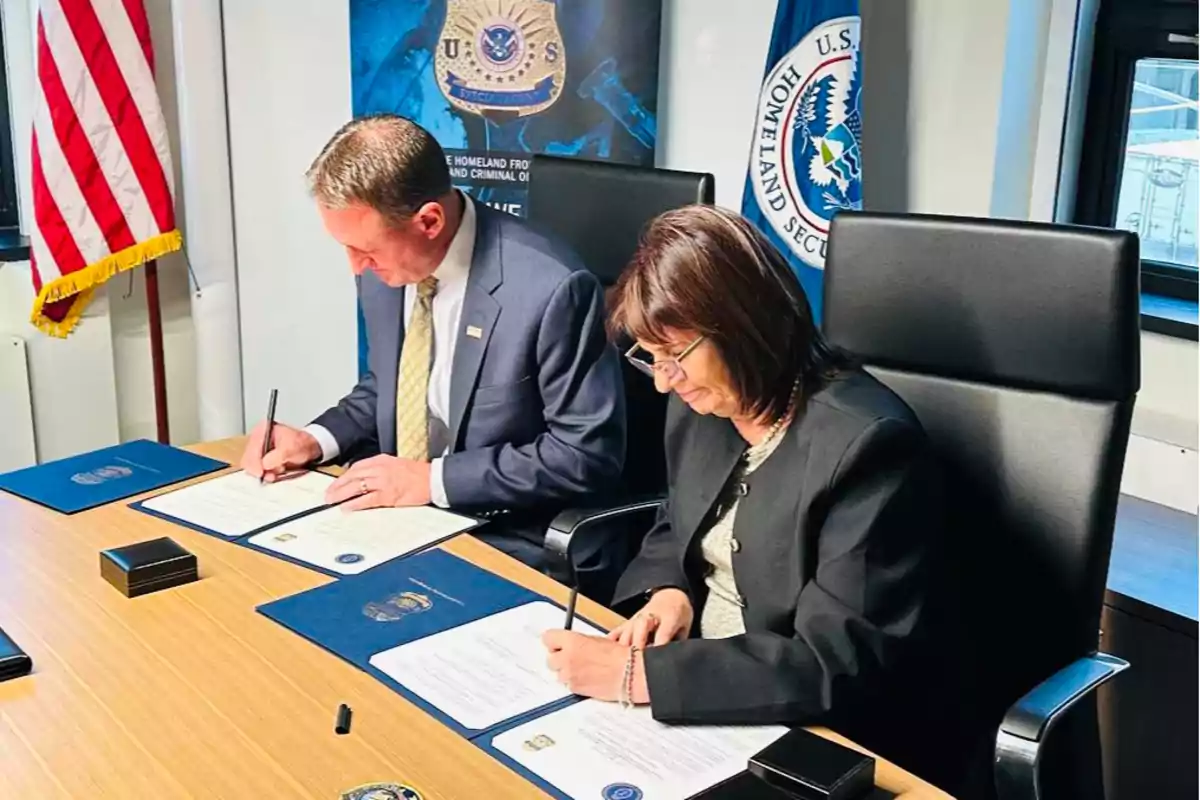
670	368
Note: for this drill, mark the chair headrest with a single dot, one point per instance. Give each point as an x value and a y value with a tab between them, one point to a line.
1028	305
600	208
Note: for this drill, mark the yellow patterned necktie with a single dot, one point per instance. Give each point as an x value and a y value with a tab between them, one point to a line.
412	385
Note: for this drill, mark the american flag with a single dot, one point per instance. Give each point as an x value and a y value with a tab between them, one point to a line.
103	187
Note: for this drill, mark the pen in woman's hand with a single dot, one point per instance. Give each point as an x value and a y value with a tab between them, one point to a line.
571	608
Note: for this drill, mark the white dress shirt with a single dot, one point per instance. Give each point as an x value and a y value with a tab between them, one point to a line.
447	312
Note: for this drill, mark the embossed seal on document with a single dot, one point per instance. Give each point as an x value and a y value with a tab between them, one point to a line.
538	742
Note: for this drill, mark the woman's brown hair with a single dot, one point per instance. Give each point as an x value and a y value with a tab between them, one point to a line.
708	270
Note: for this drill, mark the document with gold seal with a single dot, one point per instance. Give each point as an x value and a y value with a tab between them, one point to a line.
501	59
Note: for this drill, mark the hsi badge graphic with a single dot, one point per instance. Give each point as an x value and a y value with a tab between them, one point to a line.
806	159
501	58
397	607
101	475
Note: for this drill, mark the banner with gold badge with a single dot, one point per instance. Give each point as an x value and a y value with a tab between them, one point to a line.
497	81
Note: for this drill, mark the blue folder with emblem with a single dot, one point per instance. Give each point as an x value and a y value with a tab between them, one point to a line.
92	479
401	602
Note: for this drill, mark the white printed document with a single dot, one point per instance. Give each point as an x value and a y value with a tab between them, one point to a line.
486	671
236	504
592	749
350	542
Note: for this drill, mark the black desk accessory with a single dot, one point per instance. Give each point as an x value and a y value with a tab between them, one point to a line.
342	725
146	567
743	786
14	662
810	767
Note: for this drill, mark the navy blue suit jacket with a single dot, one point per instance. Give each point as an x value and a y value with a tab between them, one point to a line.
537	408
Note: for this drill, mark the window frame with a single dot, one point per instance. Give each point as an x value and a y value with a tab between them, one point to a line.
10	217
1127	31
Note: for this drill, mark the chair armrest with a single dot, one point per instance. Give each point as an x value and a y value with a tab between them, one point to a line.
572	525
1029	721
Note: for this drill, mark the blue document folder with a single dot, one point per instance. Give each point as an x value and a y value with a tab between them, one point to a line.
102	476
397	603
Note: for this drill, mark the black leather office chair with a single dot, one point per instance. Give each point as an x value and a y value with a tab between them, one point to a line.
600	209
1017	345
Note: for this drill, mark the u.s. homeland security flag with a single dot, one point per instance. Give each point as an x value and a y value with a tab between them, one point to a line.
805	161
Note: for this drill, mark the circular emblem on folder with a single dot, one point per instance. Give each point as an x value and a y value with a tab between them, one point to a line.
382	791
806	162
348	558
621	791
397	607
100	475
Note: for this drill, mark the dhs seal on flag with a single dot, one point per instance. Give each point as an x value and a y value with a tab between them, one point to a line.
806	159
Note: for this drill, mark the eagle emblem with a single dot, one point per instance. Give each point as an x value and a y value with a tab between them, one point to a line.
829	129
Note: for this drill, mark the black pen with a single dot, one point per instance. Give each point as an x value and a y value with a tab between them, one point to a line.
571	608
266	448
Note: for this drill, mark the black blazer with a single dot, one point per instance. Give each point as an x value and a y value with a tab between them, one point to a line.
837	537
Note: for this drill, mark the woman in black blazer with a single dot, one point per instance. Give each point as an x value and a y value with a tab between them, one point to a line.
789	577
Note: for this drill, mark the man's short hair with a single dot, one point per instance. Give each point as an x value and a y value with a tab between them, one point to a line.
383	161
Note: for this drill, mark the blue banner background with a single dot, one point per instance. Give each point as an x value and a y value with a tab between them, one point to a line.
607	110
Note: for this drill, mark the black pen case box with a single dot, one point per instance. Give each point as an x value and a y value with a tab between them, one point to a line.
149	566
743	786
810	767
14	662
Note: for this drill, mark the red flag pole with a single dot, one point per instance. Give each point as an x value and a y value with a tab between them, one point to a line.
156	353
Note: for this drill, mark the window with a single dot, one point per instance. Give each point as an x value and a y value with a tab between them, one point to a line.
8	184
1158	184
1140	159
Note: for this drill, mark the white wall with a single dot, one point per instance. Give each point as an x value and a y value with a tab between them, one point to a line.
288	72
711	65
94	388
130	324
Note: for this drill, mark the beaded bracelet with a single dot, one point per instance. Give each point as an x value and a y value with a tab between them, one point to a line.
625	695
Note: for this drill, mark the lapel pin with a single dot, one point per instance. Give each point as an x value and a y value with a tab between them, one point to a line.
474	332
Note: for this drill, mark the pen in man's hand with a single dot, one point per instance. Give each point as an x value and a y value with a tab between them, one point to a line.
571	608
266	448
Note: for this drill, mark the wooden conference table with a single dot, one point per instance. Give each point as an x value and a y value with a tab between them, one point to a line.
190	692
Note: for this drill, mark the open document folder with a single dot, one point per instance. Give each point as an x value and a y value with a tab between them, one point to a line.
288	518
465	645
236	504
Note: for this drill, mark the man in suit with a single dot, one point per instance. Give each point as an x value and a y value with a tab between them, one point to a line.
491	385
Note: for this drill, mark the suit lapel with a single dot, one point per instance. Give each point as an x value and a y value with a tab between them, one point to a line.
479	314
389	308
718	448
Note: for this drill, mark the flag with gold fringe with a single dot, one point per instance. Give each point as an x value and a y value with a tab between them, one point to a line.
103	188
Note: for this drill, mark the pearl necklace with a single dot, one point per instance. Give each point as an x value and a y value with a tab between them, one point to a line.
774	430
